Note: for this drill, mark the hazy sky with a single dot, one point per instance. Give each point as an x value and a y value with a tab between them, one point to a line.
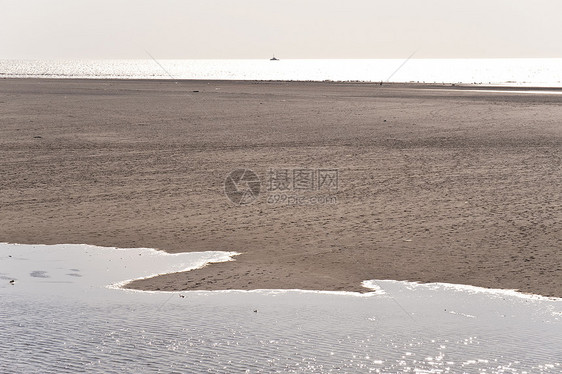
288	28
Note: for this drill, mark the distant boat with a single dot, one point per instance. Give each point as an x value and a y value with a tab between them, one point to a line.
273	58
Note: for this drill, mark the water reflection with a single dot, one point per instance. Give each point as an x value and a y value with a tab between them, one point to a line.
70	321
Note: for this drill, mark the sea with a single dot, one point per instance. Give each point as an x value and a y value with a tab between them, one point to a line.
63	310
509	72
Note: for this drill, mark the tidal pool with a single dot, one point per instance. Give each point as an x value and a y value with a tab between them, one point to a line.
65	312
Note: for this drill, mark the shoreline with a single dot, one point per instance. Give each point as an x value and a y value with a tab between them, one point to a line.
209	258
437	186
507	86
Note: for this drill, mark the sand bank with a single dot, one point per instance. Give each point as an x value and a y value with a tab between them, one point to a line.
434	185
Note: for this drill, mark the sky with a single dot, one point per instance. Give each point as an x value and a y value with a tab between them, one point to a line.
238	29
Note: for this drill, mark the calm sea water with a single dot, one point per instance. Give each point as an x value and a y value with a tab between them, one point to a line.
60	316
525	72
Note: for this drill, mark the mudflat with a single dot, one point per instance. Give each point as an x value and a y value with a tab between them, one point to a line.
434	183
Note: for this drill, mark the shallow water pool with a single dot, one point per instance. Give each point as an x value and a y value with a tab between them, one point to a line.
65	312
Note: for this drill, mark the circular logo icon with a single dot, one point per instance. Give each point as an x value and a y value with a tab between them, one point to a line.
242	186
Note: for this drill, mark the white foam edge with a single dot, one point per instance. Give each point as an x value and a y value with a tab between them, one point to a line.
228	256
465	288
376	289
221	256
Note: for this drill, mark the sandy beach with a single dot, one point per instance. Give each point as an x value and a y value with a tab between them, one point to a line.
435	183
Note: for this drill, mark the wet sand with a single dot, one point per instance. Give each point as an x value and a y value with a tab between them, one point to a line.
435	185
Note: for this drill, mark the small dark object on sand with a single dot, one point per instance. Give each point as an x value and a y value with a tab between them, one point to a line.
37	137
182	296
255	311
195	91
12	282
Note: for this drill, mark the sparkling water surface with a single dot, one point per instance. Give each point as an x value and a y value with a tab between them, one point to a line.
519	72
65	313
